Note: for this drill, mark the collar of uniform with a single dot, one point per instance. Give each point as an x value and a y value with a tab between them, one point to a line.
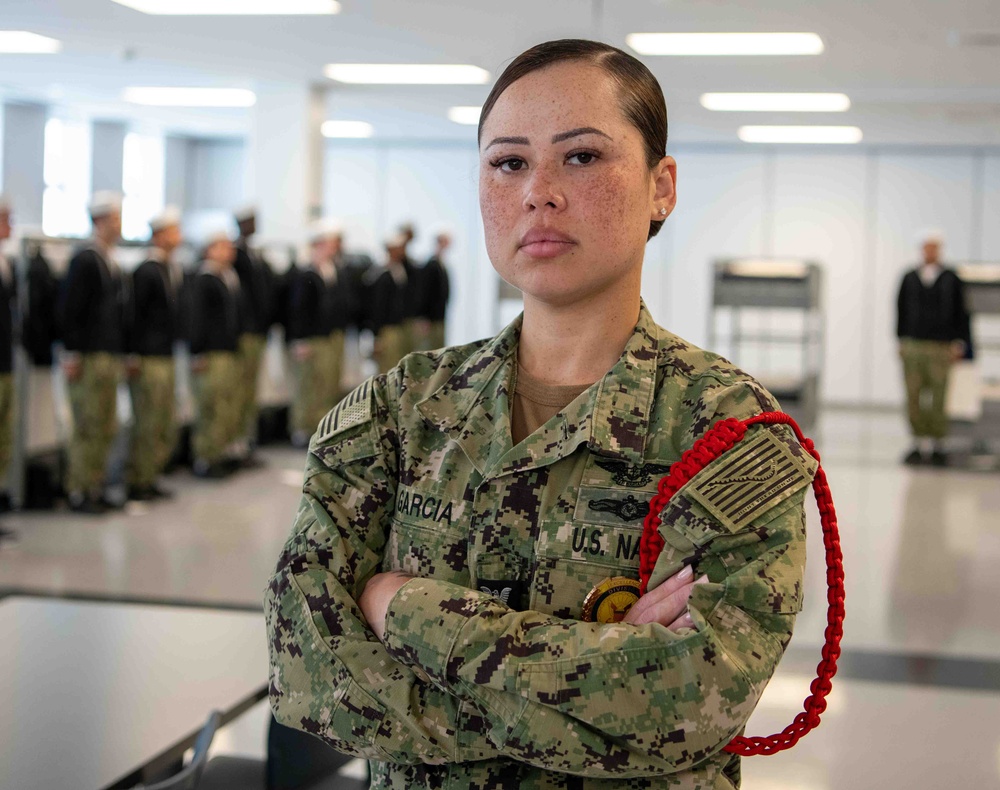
624	396
473	405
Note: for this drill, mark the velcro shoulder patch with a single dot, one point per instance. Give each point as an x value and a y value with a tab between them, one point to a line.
355	409
758	473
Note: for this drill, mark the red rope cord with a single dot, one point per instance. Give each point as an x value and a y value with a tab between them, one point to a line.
722	436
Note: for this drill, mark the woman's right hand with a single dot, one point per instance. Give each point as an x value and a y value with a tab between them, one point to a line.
668	603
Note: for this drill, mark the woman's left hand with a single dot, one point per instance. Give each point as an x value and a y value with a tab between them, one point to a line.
374	600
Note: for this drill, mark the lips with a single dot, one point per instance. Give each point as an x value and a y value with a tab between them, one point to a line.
545	243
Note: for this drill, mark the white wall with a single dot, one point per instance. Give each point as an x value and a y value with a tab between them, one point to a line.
215	175
855	210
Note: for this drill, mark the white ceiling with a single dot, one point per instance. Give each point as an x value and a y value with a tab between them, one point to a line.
895	58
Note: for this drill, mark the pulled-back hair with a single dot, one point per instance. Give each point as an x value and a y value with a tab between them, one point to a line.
639	94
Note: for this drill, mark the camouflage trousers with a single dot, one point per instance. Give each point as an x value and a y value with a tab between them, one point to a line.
435	338
154	427
926	364
218	393
6	425
317	382
393	345
251	354
93	400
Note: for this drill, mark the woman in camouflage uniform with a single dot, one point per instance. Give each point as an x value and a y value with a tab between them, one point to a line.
454	600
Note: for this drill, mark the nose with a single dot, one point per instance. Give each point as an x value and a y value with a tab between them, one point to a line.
544	191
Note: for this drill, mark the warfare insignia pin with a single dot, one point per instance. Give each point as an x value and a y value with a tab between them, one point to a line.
627	509
632	476
610	600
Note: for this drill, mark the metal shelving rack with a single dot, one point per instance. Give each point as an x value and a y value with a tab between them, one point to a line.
982	293
776	288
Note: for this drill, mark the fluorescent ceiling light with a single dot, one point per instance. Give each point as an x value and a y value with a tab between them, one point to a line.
465	115
403	74
800	134
190	97
776	102
21	42
232	7
347	129
725	43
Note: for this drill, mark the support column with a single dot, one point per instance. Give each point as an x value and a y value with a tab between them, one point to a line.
285	159
109	155
175	167
24	161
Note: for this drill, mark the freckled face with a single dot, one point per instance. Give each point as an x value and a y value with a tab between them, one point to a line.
565	215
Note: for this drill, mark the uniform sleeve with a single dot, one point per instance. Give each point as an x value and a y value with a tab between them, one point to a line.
329	674
300	306
142	292
600	700
204	309
75	299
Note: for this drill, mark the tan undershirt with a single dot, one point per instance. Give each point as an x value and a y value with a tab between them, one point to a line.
536	402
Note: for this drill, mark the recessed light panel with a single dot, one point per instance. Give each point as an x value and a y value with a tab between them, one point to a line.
776	102
350	129
232	7
725	43
190	97
21	42
406	74
831	135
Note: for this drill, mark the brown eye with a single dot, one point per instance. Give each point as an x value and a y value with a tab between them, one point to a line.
582	157
510	165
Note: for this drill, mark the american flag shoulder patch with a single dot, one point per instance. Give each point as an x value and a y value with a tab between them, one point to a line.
758	473
353	410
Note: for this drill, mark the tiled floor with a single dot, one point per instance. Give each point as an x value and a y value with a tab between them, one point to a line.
921	549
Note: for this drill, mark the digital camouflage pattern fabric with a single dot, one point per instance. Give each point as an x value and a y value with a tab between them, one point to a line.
154	431
93	400
488	677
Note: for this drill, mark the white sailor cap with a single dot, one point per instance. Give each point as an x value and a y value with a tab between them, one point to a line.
930	236
170	217
244	213
323	229
6	207
218	234
105	202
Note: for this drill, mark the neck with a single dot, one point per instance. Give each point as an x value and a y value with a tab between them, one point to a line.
578	343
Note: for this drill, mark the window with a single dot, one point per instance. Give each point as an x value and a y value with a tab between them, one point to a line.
142	183
67	178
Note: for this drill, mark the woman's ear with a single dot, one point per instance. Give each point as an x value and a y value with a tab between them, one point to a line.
664	188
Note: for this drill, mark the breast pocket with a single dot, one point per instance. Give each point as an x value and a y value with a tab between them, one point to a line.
576	557
430	552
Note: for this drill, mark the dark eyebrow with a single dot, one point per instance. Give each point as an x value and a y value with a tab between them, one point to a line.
556	139
577	132
509	140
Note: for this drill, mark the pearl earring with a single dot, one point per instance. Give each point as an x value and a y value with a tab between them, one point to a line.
663	212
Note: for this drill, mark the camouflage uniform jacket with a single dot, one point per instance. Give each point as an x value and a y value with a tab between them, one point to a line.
488	678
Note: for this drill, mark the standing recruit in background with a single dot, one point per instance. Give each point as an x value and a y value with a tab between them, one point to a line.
934	332
435	292
318	314
388	308
8	309
155	325
257	312
218	376
93	301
